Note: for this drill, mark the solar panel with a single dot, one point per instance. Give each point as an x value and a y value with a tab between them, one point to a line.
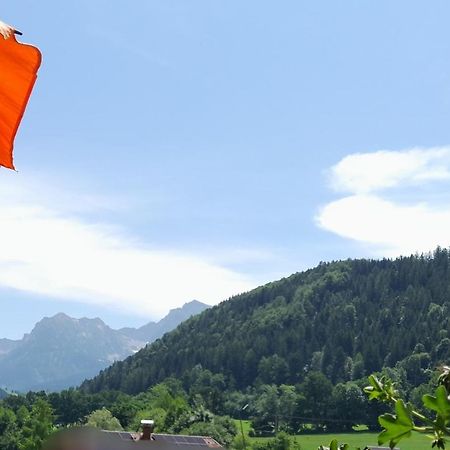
210	442
187	440
126	436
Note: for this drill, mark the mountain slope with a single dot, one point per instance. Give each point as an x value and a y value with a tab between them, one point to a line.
154	330
7	345
344	318
61	351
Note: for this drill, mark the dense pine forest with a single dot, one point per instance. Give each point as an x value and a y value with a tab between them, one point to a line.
296	351
344	319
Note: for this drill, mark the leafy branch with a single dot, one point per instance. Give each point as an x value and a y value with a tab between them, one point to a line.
406	419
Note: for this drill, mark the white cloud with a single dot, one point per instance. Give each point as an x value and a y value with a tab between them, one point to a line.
388	228
369	172
49	251
370	215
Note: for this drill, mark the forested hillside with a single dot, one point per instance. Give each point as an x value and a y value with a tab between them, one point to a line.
345	319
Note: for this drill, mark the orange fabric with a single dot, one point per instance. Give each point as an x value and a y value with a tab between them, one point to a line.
19	64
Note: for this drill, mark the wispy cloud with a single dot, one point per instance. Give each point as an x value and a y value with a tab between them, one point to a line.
371	216
50	248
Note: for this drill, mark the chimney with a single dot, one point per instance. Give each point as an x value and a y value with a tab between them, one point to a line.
147	429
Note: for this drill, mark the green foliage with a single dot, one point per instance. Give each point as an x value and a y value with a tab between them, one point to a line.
26	429
349	405
444	377
400	425
396	427
239	442
282	441
334	445
222	429
381	389
158	415
317	391
27	420
8	430
439	403
104	420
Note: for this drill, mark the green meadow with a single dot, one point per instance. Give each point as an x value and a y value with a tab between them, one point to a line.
312	441
355	439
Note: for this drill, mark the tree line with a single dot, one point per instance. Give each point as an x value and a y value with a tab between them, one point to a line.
201	405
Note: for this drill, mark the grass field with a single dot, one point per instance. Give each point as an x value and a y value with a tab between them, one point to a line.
356	439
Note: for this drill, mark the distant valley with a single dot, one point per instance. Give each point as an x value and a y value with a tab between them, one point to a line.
62	351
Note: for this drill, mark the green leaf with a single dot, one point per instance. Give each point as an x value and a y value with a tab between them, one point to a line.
375	389
396	427
438	403
334	445
381	389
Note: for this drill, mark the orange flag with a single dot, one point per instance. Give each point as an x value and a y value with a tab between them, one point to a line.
19	64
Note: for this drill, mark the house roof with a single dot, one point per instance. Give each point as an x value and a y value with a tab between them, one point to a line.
178	441
81	439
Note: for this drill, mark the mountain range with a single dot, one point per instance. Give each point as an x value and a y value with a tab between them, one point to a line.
62	351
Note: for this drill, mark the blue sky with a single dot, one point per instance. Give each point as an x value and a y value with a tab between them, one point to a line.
195	149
